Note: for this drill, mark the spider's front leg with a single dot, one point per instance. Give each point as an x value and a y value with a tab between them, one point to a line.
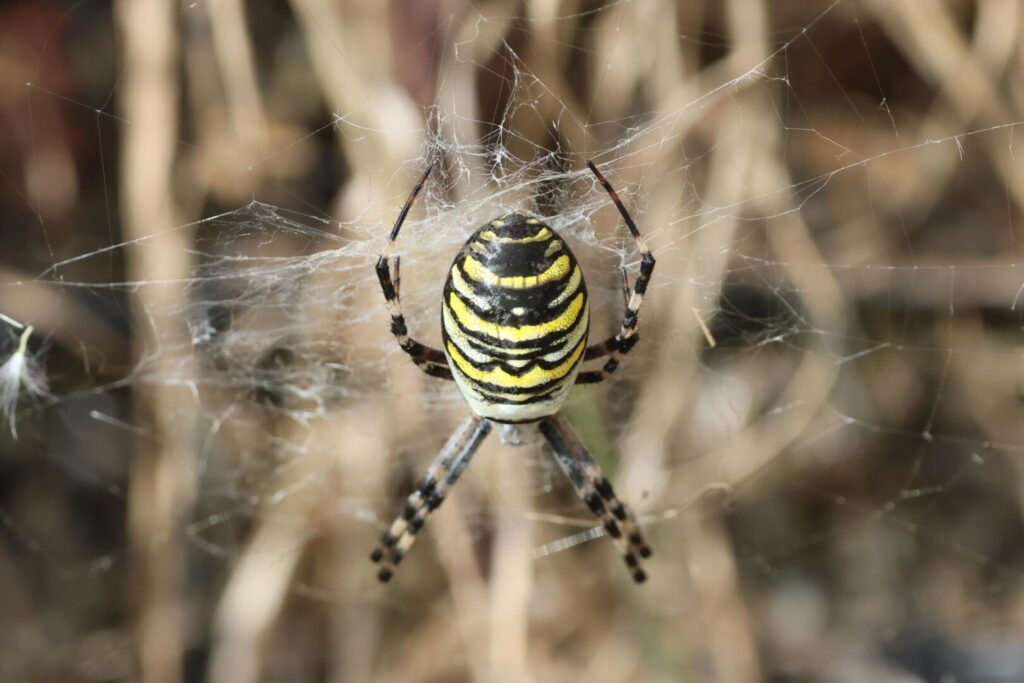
622	343
429	494
596	491
432	361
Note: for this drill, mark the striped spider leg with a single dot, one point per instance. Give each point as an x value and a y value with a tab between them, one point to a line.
596	491
429	494
620	344
432	361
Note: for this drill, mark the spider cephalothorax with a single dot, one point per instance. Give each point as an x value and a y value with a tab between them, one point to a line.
515	322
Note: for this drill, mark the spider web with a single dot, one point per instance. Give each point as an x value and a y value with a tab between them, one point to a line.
818	429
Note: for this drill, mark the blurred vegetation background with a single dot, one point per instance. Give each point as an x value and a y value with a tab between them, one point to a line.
821	427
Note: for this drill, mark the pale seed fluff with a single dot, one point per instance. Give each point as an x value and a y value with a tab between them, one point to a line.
20	372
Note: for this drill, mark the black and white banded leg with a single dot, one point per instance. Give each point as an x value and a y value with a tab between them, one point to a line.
596	491
429	494
432	361
619	345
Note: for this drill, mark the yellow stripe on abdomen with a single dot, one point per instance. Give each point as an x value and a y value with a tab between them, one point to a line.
499	377
492	236
574	284
480	273
463	288
473	323
560	346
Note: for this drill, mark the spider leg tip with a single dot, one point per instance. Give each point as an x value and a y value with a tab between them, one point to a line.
384	575
640	576
377	555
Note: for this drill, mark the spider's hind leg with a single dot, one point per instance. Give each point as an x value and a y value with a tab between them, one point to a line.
429	494
596	491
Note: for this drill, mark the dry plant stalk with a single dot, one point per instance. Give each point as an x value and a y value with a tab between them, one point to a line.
162	488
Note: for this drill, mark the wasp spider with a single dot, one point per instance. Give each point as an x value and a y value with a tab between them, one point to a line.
514	323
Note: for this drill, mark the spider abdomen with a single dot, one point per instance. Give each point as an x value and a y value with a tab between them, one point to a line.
514	319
